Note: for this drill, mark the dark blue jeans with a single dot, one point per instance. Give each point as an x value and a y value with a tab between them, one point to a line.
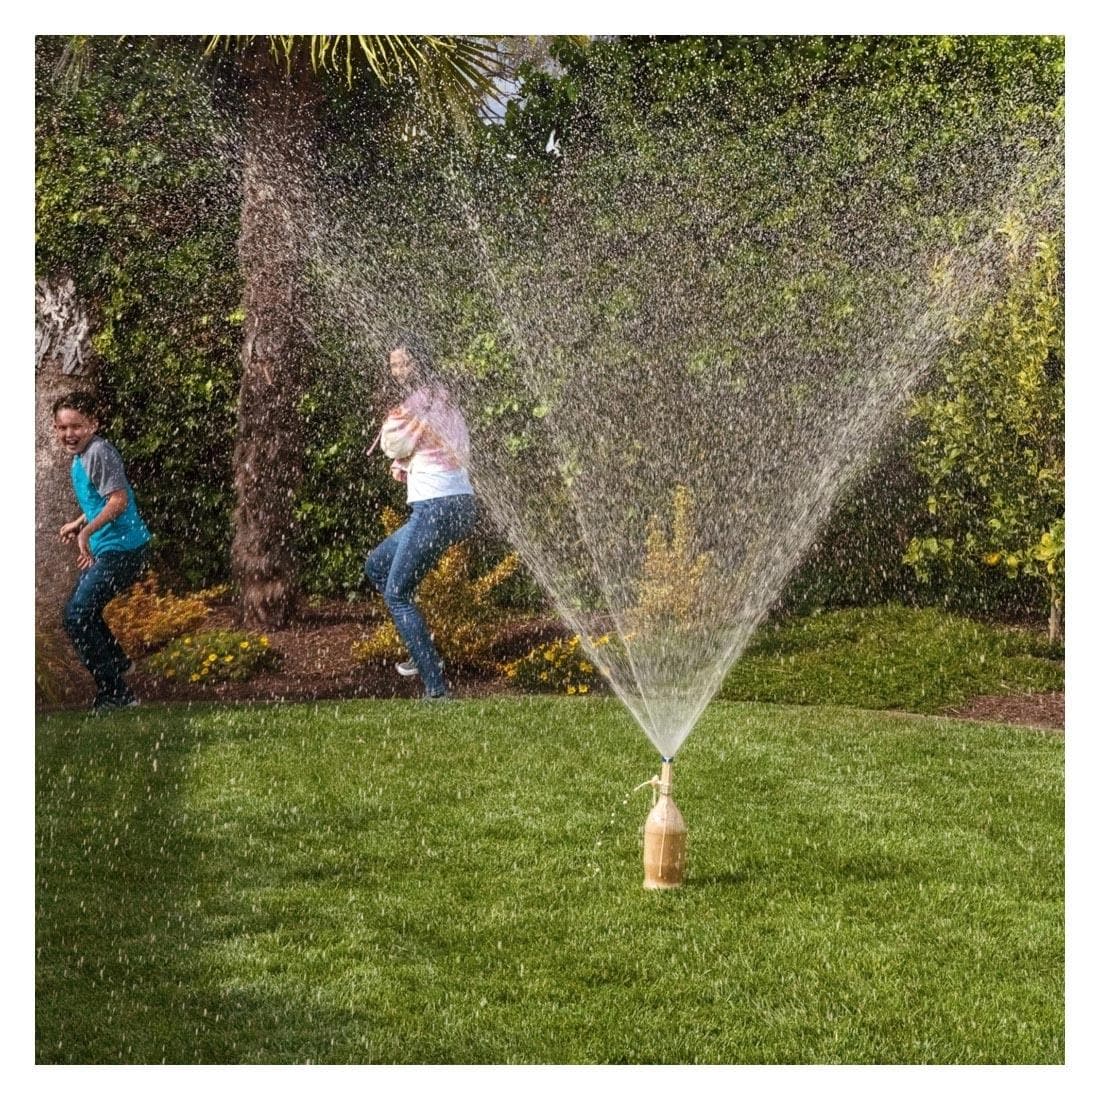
398	564
111	573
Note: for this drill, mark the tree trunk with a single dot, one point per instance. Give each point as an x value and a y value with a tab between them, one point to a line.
63	362
267	456
1056	624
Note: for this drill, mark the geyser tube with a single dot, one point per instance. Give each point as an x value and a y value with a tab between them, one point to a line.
665	850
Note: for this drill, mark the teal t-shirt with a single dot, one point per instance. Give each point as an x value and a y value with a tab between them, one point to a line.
96	473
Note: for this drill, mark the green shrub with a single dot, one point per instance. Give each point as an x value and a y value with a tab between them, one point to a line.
560	665
214	655
144	618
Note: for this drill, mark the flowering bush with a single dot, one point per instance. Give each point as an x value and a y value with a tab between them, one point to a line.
214	655
675	576
49	666
560	665
458	610
144	618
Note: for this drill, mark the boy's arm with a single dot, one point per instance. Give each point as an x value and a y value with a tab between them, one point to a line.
69	530
115	506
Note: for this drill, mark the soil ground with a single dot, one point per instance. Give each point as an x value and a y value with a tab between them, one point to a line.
1047	710
317	663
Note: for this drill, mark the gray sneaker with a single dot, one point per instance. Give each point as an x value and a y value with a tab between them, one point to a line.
407	668
103	707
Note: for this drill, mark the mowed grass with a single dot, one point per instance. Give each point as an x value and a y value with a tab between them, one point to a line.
891	657
400	883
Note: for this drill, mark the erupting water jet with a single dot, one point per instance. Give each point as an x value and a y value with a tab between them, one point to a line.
677	359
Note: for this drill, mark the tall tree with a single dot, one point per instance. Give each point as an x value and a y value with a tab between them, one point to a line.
285	98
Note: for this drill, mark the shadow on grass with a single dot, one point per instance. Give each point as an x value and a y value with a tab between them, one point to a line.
133	897
163	936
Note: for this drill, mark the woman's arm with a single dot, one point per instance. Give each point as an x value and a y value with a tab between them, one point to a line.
401	434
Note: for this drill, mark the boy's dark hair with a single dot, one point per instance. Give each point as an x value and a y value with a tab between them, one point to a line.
80	401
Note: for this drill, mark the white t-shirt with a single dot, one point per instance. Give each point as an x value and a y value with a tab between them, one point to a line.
427	438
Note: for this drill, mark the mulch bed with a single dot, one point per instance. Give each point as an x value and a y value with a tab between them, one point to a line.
1047	711
317	663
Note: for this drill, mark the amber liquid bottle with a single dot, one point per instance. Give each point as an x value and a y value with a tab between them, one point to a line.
665	848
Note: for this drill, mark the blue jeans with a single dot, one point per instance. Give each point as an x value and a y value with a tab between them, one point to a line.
98	649
398	564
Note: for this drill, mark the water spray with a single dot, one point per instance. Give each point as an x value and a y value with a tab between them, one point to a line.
665	848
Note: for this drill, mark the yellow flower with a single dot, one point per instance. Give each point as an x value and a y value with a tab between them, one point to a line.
244	645
211	656
992	559
227	658
194	676
186	641
583	689
571	690
263	639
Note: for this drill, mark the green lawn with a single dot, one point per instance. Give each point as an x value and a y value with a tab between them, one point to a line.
394	882
891	657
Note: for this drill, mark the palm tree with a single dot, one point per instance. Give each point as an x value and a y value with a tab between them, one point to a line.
285	97
284	93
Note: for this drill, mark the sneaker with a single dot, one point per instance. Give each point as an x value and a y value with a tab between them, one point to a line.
445	697
407	668
108	706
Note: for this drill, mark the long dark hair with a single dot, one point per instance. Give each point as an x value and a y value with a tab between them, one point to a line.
424	374
419	350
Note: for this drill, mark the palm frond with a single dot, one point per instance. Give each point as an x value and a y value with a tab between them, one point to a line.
455	65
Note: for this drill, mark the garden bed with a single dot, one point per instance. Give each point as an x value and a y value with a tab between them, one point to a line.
318	663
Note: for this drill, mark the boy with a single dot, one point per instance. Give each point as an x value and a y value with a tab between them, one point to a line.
111	542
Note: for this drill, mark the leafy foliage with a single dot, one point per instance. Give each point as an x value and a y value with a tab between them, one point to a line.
993	450
131	199
337	511
144	618
674	574
454	69
561	665
214	655
770	91
136	200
